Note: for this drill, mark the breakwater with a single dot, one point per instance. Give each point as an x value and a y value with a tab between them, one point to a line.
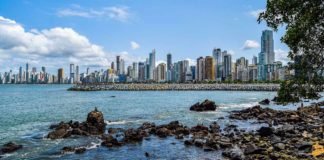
175	87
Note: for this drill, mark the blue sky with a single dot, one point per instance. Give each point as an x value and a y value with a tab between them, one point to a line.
92	33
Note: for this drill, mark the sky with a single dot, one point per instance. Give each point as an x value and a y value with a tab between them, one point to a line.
91	33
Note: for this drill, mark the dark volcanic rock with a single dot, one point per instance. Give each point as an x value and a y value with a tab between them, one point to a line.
265	102
214	128
207	105
80	150
233	154
95	123
265	131
10	147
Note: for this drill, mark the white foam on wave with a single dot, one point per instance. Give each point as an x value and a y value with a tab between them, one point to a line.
238	105
121	122
94	145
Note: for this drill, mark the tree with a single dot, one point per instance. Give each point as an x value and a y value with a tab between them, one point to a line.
304	24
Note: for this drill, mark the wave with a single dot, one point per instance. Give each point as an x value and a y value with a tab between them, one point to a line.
121	122
241	105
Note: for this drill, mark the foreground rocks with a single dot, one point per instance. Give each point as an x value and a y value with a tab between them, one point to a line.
206	105
296	135
10	147
94	125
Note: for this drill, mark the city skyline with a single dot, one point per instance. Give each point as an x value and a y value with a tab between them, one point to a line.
97	45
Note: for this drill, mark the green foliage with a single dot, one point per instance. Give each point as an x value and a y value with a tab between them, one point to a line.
304	23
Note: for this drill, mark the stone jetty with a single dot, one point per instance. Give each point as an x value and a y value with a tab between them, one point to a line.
175	87
291	134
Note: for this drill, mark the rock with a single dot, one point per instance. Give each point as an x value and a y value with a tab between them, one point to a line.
252	149
305	146
265	131
109	141
68	149
199	128
265	102
133	135
10	147
78	131
233	154
95	123
147	154
199	142
59	133
207	105
163	132
279	146
275	99
80	150
188	142
214	128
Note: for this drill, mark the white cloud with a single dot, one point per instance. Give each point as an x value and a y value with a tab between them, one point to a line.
281	55
134	45
54	46
255	13
115	12
250	44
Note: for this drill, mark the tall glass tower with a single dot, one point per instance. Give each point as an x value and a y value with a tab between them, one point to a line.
267	46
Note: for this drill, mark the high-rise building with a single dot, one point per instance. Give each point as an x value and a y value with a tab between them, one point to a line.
77	74
200	69
227	66
20	75
254	60
43	69
112	66
267	46
152	63
27	73
72	78
141	71
209	68
88	71
135	71
34	70
118	64
161	72
169	61
60	76
218	58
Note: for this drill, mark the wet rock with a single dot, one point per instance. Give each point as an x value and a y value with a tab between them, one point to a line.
265	131
188	142
95	123
252	149
68	149
265	102
207	105
163	132
10	147
78	131
279	146
199	142
59	133
147	154
109	141
233	154
133	135
214	128
199	128
80	150
305	146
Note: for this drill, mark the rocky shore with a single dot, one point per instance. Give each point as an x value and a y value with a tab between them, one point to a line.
176	87
291	134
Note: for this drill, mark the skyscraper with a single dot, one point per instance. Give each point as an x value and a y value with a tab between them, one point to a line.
227	68
218	57
112	66
118	64
152	63
60	76
209	68
141	71
20	74
161	72
200	69
135	71
72	73
254	60
77	74
27	73
267	46
169	61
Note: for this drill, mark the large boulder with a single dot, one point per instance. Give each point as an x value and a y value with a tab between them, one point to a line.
265	102
207	105
95	123
10	147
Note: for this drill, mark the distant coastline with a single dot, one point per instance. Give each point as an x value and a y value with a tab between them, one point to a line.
174	87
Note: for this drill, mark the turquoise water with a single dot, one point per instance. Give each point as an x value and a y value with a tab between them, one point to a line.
28	110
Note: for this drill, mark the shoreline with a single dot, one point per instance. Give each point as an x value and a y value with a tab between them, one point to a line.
175	87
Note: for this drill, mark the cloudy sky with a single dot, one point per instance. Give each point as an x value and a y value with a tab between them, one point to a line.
91	33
